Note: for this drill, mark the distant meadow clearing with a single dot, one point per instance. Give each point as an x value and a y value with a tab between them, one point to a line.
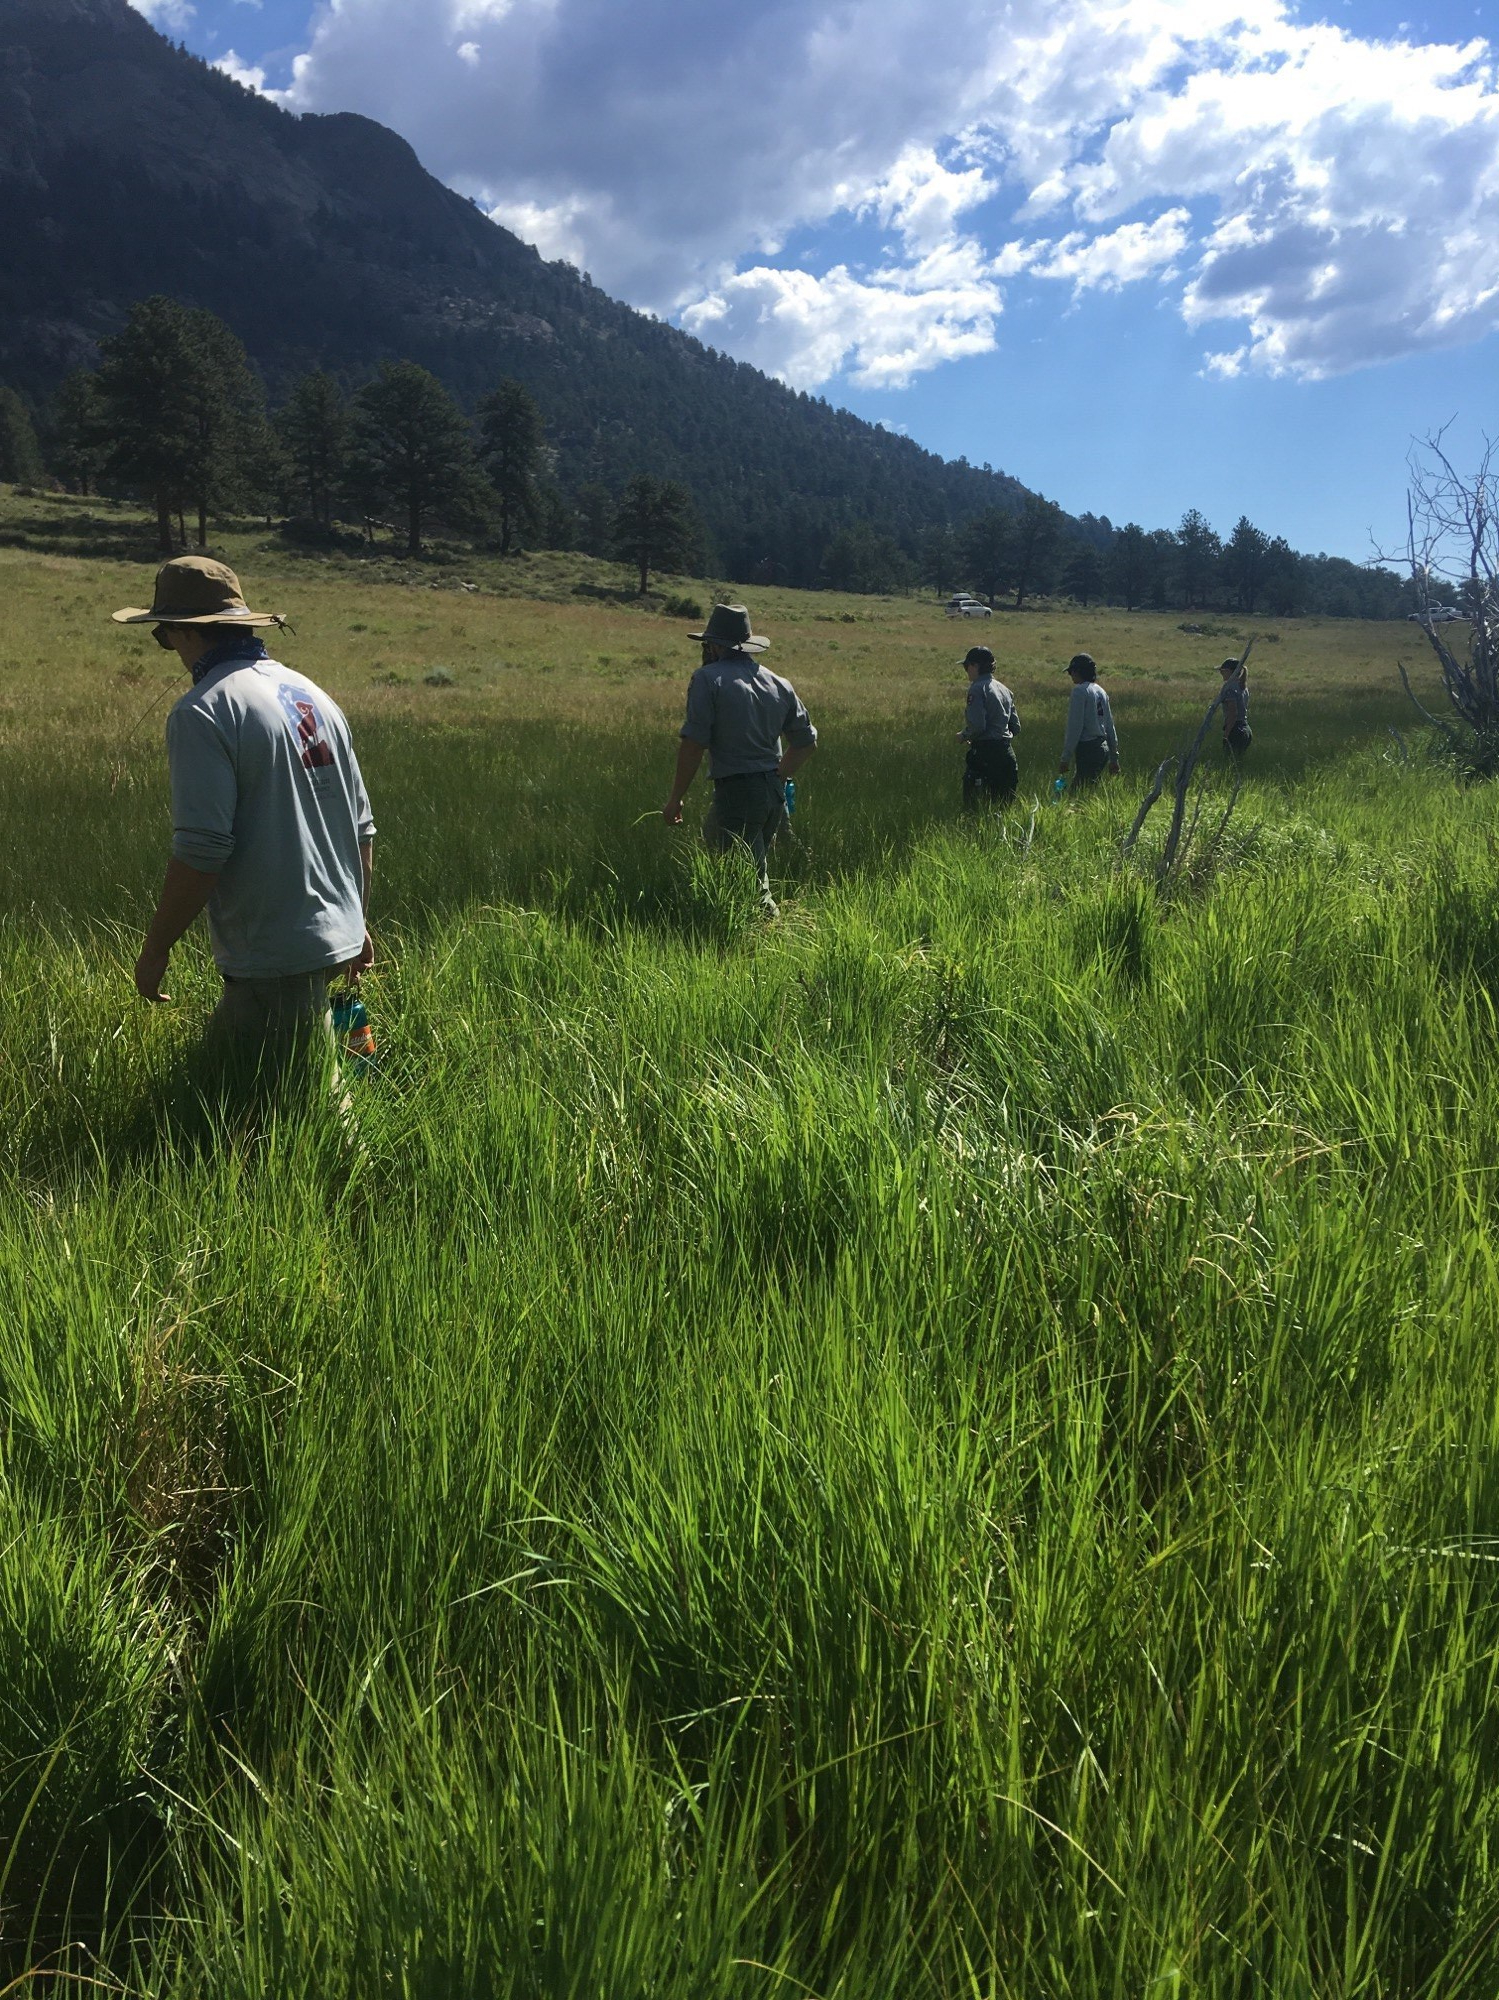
945	1446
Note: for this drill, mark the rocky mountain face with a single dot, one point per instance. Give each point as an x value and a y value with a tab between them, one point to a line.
129	167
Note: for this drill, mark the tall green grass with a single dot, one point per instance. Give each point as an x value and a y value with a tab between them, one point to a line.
946	1446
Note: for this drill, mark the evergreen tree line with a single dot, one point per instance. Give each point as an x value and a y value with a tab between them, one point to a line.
1008	555
176	414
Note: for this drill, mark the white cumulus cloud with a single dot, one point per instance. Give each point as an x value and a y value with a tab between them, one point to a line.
880	330
850	185
166	14
251	75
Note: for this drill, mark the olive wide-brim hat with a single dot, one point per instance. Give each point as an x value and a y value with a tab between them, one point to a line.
196	590
729	625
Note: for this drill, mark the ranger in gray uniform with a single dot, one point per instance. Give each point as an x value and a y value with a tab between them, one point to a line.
1090	734
271	829
990	726
1237	734
738	711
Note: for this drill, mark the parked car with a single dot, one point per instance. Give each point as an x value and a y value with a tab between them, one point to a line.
964	606
1439	614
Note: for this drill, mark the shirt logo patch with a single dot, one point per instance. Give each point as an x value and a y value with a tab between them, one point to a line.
307	727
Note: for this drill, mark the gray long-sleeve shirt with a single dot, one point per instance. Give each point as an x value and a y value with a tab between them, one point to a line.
990	716
739	710
1089	720
266	794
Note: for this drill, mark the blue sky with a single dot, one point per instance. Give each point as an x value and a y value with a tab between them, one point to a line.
1144	255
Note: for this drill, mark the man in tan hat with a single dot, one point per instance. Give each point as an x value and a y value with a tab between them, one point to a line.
271	828
738	711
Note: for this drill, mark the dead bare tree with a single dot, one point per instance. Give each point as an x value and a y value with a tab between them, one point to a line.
1182	832
1452	539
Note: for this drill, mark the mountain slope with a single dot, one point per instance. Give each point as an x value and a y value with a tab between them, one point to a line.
129	167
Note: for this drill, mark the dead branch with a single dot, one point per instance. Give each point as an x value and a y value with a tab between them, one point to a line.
1158	785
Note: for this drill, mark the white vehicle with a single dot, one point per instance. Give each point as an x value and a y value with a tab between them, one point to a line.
964	606
1439	614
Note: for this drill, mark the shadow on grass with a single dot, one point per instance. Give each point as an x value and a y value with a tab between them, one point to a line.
79	531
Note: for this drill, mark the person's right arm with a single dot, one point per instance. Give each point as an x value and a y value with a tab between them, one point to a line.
1076	711
695	736
183	894
205	790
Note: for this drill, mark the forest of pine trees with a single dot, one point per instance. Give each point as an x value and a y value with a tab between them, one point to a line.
176	416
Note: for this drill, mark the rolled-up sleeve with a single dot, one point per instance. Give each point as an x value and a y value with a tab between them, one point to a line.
205	791
798	724
697	725
361	801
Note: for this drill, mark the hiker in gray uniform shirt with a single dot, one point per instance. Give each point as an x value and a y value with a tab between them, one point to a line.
738	711
1090	737
990	725
271	829
1237	735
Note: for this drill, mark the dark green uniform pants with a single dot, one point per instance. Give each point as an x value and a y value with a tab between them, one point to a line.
1092	761
990	775
748	812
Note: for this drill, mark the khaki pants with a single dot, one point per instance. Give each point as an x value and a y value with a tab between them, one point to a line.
269	1028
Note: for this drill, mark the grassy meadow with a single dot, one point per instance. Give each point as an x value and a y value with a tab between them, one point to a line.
946	1446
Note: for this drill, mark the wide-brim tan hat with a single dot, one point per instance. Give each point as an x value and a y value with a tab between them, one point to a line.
729	625
196	590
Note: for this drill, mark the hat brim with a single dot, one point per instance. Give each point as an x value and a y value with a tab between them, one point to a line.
133	615
753	644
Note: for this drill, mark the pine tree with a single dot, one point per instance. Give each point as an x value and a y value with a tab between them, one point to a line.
182	410
231	440
1082	578
146	417
411	448
937	558
1128	567
656	527
511	437
595	519
987	552
80	448
557	520
862	559
1037	529
20	454
314	426
1246	559
1197	553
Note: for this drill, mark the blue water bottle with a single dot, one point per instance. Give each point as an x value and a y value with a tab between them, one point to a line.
351	1025
1058	788
790	797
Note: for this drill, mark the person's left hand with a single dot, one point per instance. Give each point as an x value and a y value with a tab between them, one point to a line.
960	734
671	812
364	960
150	970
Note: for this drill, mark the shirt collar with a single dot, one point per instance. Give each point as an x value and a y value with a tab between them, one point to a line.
238	646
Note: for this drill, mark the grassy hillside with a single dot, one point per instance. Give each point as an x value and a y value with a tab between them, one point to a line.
947	1445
